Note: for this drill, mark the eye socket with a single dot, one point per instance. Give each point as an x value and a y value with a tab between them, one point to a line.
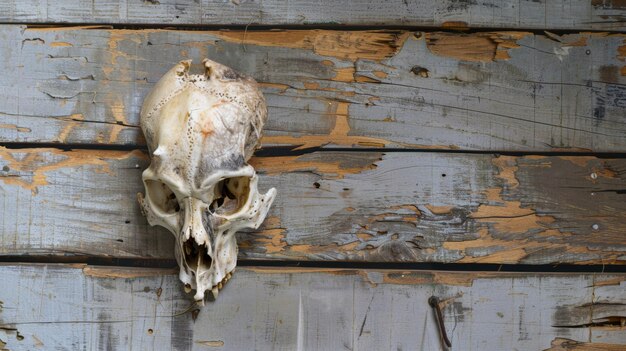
230	195
162	198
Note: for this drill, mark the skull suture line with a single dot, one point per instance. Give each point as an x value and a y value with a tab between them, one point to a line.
201	129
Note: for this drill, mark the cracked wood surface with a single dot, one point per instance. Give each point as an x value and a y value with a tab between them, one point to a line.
553	14
53	306
349	206
396	89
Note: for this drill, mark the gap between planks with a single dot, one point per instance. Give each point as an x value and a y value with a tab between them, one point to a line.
334	27
170	265
295	150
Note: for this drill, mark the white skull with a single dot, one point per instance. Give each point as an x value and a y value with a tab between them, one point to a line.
201	129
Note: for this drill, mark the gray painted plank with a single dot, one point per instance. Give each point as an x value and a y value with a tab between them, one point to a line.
554	14
354	206
482	91
55	307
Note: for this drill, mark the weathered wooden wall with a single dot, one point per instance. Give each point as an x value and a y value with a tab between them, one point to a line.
53	306
401	89
554	14
364	206
450	133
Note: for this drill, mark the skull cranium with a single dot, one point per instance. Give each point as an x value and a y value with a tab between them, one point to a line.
201	129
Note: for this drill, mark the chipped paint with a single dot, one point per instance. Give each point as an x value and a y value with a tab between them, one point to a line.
439	210
126	272
442	278
15	127
118	112
72	121
563	344
280	87
210	343
271	236
339	135
345	74
330	169
477	47
346	45
34	161
380	74
60	44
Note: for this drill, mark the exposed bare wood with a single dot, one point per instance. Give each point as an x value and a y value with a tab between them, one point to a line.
563	344
355	206
54	306
555	14
481	91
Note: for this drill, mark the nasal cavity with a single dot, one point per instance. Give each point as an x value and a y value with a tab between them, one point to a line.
196	256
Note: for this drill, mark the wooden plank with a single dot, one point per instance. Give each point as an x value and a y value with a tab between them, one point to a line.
350	206
558	14
481	91
61	307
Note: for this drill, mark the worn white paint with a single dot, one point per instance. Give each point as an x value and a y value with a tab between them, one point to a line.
553	14
103	308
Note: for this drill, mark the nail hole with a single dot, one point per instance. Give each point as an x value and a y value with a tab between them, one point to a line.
316	185
6	168
119	240
127	221
420	71
150	331
443	174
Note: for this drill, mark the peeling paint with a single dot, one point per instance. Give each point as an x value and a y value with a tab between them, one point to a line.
330	169
478	47
210	343
15	127
352	45
125	272
33	161
61	44
339	135
563	344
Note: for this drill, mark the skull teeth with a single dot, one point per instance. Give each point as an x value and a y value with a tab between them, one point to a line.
219	286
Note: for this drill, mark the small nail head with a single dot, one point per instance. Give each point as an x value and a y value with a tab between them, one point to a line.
595	227
433	301
594	175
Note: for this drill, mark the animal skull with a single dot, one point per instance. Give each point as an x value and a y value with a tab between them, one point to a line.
201	129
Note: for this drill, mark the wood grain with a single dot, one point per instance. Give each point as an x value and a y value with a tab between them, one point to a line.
555	14
383	89
55	306
349	206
